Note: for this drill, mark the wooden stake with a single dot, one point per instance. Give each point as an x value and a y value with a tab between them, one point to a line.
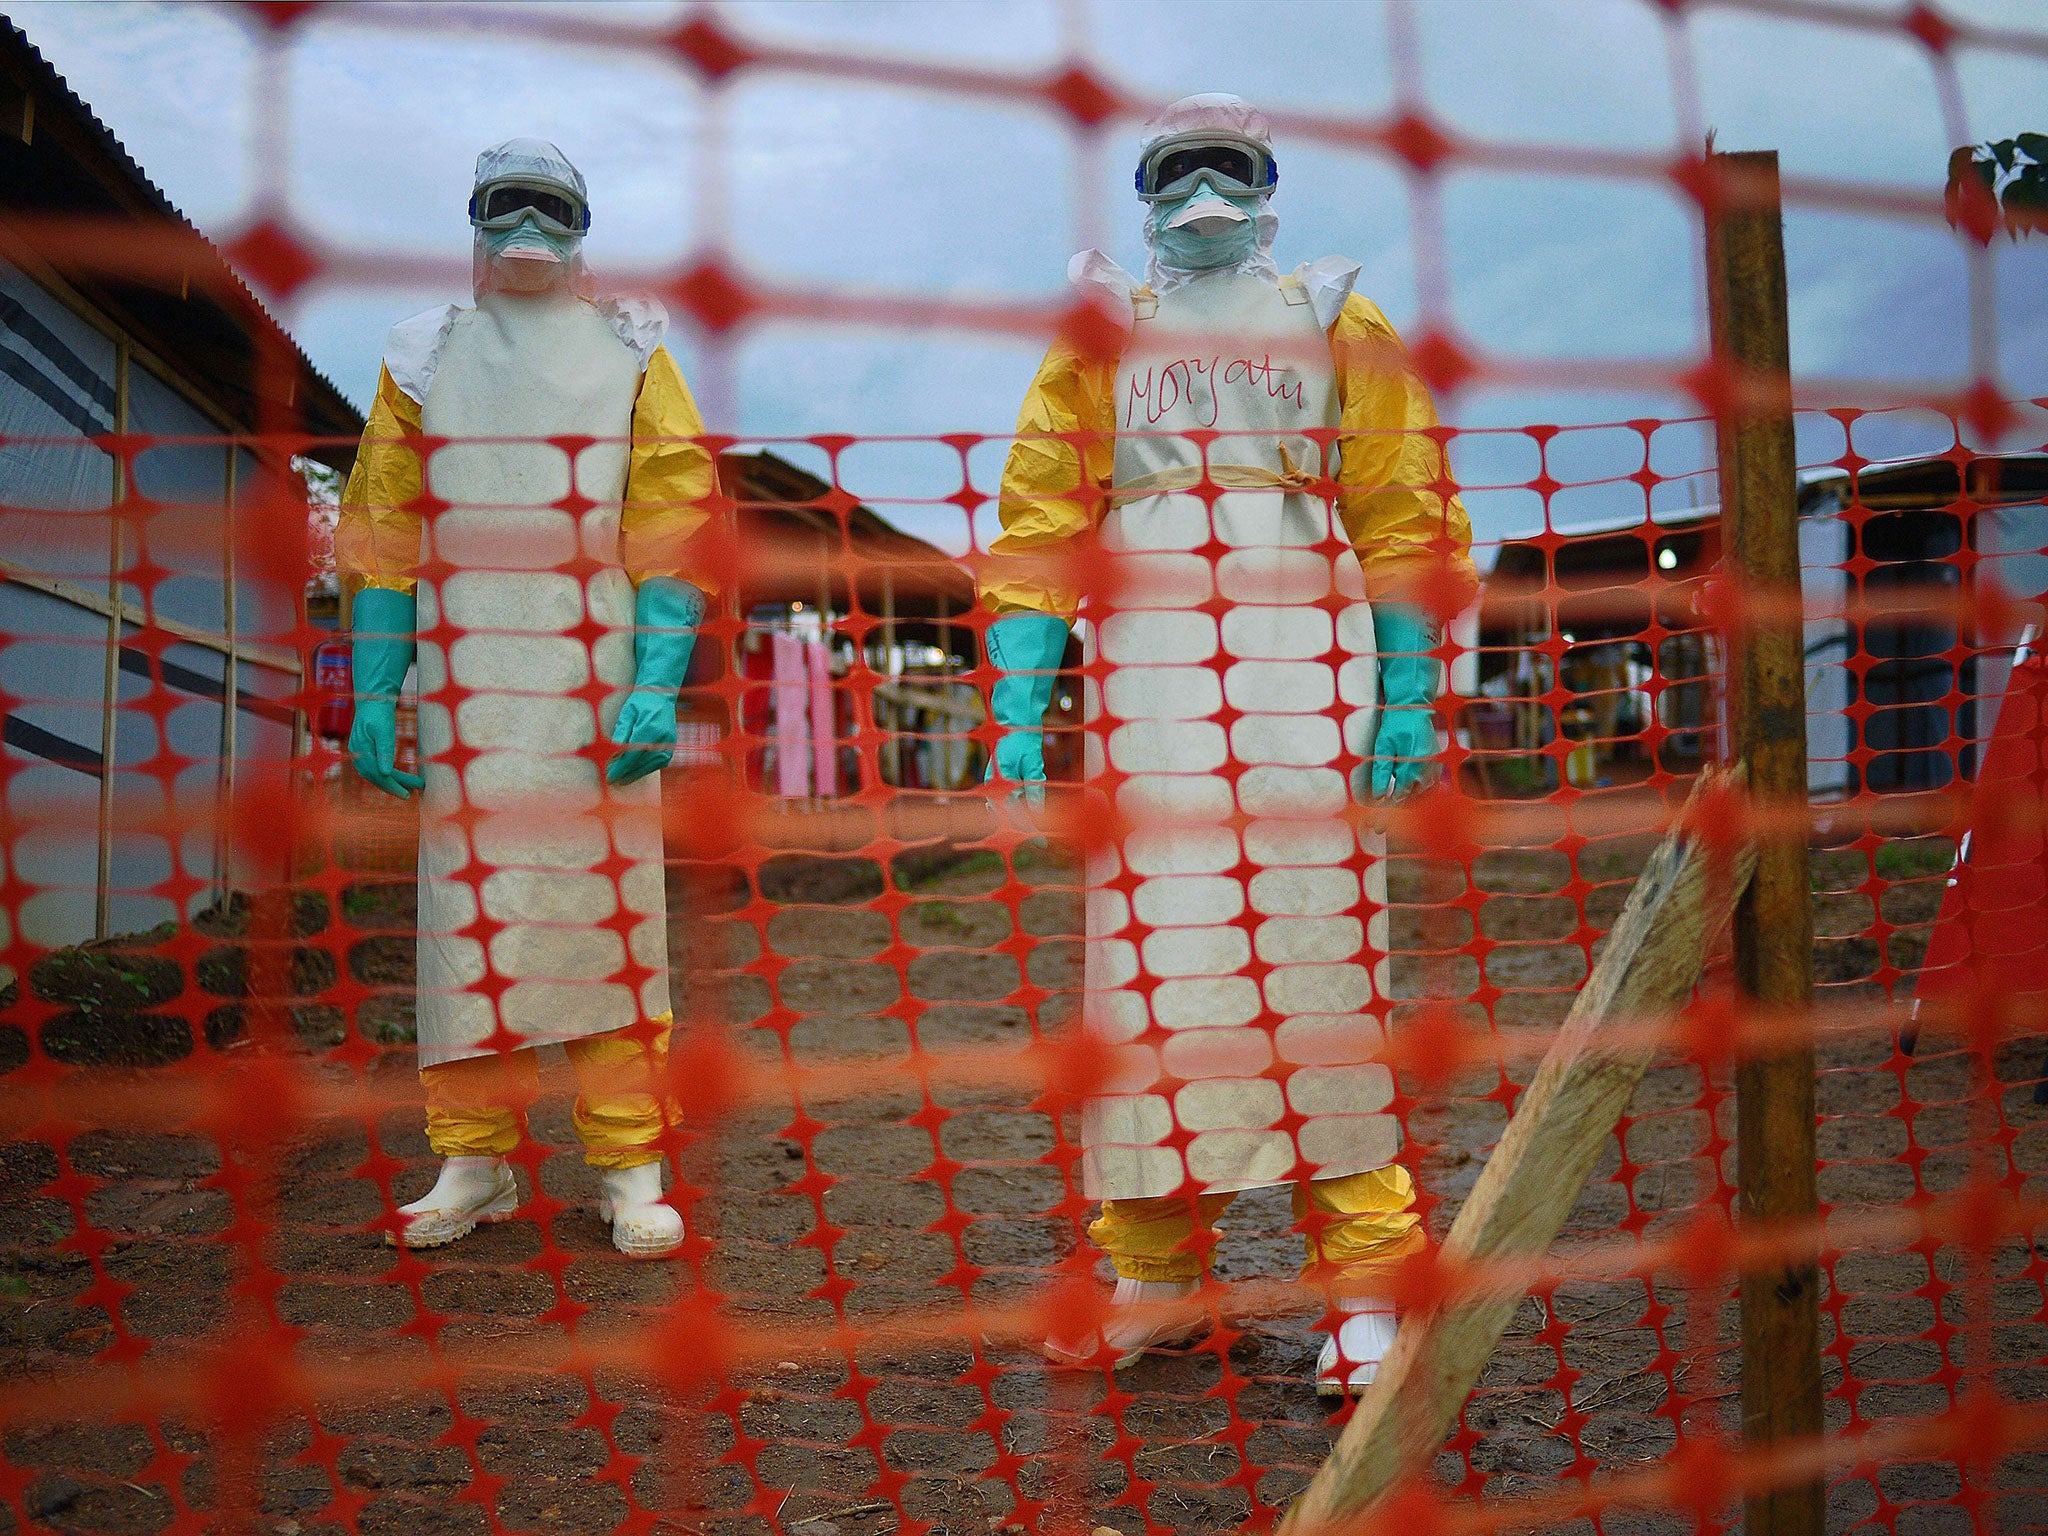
110	678
1646	972
231	685
1781	1390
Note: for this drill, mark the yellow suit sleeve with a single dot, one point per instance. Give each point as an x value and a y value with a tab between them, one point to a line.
377	531
1393	480
1052	485
670	481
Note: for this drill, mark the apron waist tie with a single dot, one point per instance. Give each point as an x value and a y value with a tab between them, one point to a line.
1228	477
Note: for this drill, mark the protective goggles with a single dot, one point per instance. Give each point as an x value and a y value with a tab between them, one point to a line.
503	204
1236	165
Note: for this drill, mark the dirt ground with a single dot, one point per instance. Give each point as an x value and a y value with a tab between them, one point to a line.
845	1205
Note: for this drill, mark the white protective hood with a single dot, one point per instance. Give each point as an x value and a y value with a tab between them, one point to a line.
1328	281
1214	112
538	163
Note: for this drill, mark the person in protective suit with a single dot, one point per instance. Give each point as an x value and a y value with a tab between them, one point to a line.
545	600
1236	949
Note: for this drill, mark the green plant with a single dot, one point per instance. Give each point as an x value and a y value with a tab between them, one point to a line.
981	861
1915	858
940	914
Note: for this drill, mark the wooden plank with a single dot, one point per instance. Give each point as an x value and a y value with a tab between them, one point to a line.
277	657
955	704
110	678
1774	1094
224	770
21	253
1647	971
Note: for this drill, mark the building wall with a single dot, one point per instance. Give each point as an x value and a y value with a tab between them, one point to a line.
1940	688
1825	539
175	745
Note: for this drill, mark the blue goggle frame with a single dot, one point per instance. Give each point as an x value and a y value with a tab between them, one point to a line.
1190	155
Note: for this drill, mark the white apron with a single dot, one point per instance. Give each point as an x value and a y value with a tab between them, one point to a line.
570	867
1259	955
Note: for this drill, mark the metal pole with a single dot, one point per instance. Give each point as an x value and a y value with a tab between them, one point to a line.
891	752
957	753
110	677
1781	1386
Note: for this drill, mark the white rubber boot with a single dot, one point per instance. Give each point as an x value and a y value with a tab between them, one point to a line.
469	1190
1131	1337
1363	1339
643	1227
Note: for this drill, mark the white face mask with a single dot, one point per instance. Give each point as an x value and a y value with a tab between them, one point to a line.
529	243
528	258
1204	229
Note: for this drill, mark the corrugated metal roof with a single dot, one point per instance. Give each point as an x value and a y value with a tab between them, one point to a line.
323	408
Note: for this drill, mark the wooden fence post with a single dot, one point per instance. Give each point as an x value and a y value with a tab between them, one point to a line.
1675	912
1781	1388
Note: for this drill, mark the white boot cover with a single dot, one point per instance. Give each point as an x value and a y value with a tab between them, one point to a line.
1130	1337
1363	1339
469	1190
642	1226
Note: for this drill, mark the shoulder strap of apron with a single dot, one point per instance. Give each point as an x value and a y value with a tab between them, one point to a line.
1295	292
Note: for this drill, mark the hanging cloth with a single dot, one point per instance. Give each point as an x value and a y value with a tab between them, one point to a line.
792	723
824	736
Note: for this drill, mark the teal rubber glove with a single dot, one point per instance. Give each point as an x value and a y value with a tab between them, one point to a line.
1026	648
1404	746
666	613
384	623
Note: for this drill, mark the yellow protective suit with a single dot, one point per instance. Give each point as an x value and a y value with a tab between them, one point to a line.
377	536
670	477
1053	492
1351	1226
1403	524
474	1106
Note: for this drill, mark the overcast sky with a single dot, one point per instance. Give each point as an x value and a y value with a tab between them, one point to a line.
373	115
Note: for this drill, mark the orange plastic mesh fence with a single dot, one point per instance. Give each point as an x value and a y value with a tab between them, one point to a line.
879	1090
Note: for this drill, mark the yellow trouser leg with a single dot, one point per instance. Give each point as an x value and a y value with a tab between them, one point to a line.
475	1107
1155	1239
620	1111
1359	1225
